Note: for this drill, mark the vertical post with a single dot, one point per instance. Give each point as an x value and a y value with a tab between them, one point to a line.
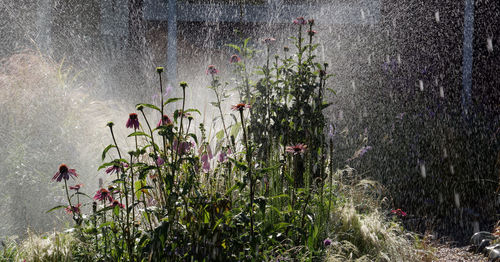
172	42
467	57
43	23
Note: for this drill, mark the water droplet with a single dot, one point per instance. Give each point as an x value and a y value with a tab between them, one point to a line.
394	22
489	44
421	84
457	200
445	153
341	115
438	19
422	170
452	169
441	91
475	226
399	59
441	200
363	17
369	59
353	85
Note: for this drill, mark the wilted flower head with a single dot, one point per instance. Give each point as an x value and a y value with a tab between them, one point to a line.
296	149
286	48
165	120
133	121
310	21
103	194
234	59
212	70
76	187
116	203
268	41
206	162
160	161
240	107
399	212
300	21
159	69
73	209
64	173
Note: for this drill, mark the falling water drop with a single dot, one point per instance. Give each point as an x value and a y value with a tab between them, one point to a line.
445	152
421	84
341	115
441	91
363	17
457	200
440	196
438	19
422	170
369	59
452	169
489	44
475	226
399	59
353	85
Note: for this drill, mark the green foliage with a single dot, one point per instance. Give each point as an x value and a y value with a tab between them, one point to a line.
256	200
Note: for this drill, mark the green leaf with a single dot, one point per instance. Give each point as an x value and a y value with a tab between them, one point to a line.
195	138
172	100
105	165
234	47
55	208
193	110
235	129
219	135
331	90
139	133
106	151
150	106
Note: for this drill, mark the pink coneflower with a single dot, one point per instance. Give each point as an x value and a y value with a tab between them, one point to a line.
240	107
268	41
234	59
115	168
133	121
116	203
212	70
73	209
300	21
399	212
296	149
76	187
312	32
64	173
103	194
165	120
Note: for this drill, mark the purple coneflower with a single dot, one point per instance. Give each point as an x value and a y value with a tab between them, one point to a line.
103	194
311	32
165	120
296	149
116	203
64	173
268	41
212	70
399	212
183	147
133	121
240	107
115	168
76	187
73	209
300	21
234	59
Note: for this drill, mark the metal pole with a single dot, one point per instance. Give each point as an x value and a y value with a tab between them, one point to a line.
467	57
172	42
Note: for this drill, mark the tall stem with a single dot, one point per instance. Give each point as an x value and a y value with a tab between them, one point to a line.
249	163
